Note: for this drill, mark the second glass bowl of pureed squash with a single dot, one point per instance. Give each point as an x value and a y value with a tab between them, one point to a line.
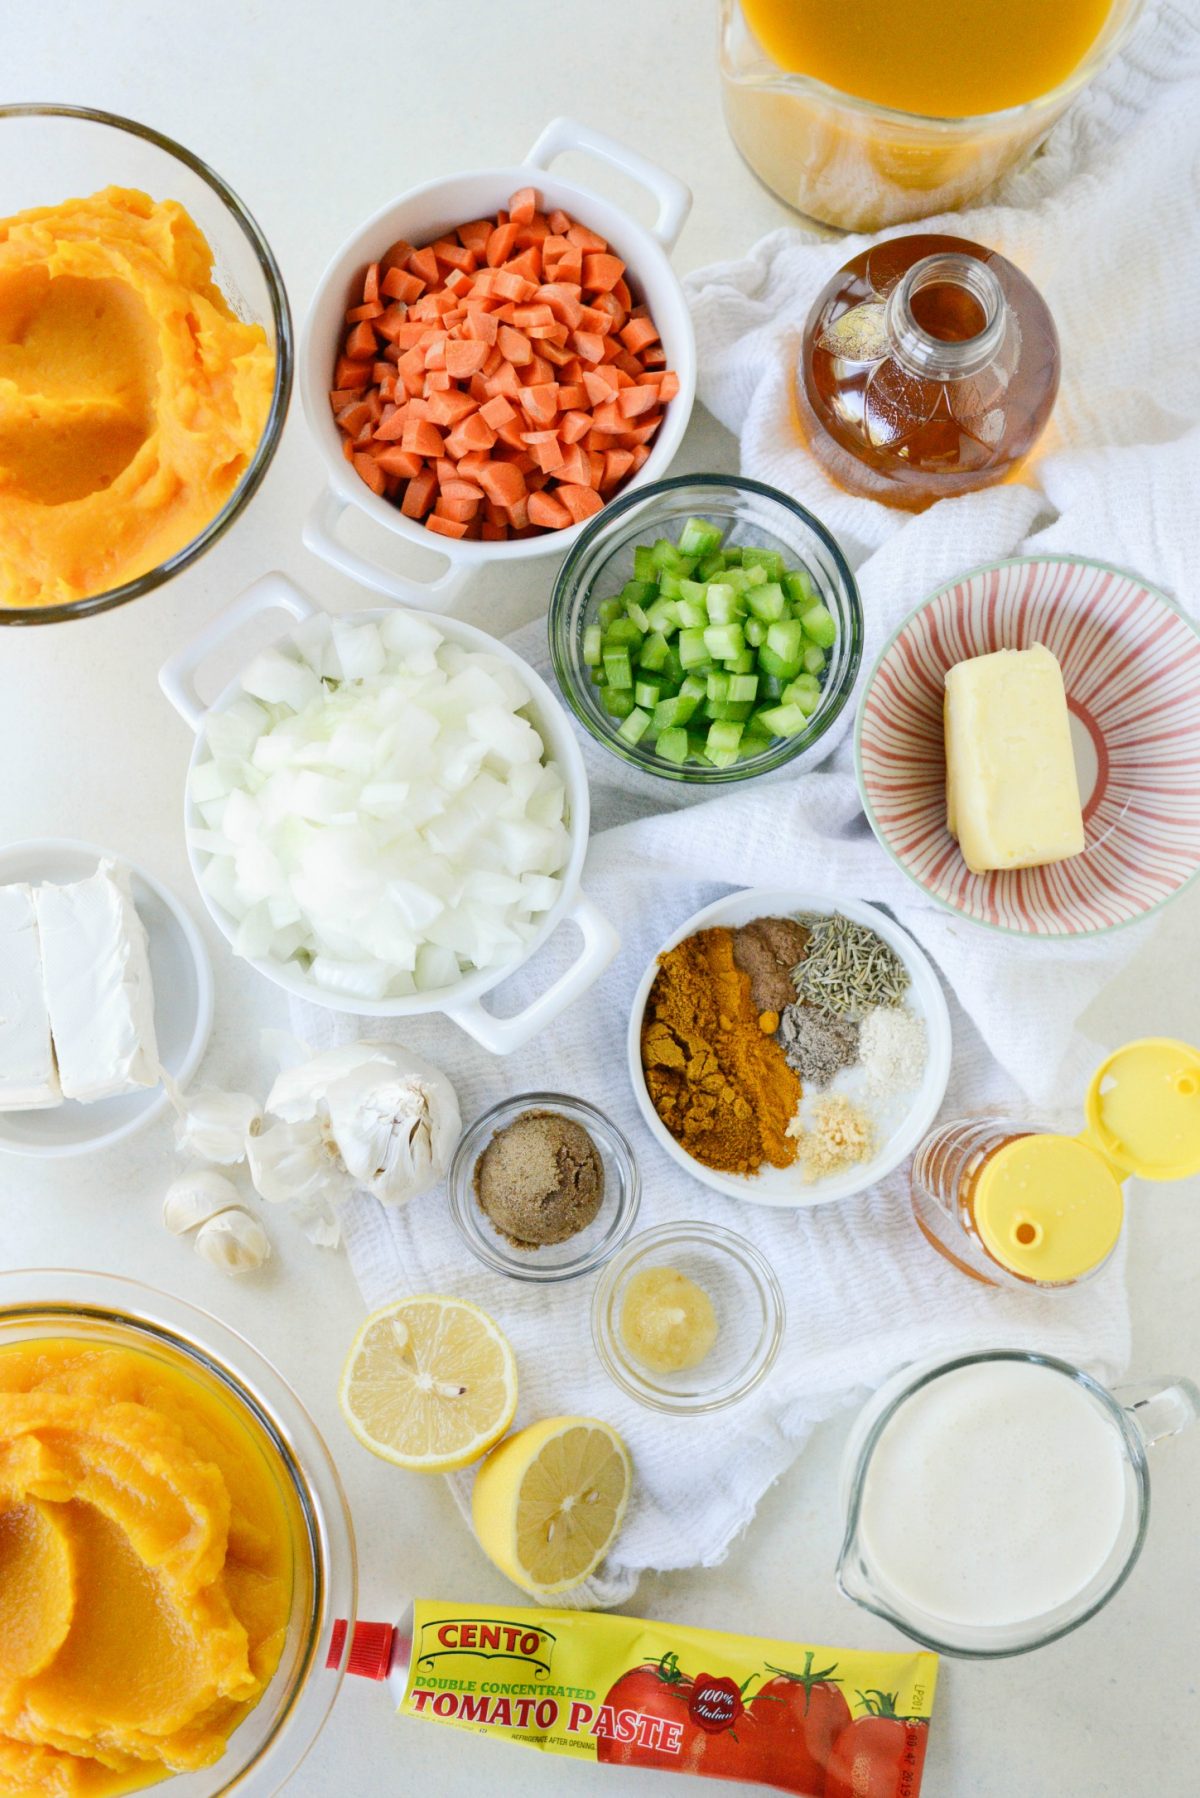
631	553
869	115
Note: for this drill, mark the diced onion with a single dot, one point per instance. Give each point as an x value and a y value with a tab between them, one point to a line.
379	809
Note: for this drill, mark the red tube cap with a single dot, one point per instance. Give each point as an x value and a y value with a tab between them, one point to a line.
370	1649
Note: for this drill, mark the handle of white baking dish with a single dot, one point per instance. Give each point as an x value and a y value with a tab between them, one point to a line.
500	1036
320	535
674	196
177	677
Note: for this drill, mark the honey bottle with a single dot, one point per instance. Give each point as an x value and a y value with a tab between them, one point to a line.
929	367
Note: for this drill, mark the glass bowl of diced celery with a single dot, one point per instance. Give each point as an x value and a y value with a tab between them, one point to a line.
707	628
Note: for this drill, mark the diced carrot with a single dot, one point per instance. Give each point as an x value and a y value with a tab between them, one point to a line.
475	234
360	342
352	418
422	438
457	488
450	407
586	240
514	346
643	433
547	451
523	205
368	311
424	264
513	286
575	466
518	514
559	221
637	334
581	502
609	417
350	373
545	509
445	527
555	333
503	483
633	401
497	411
476	432
461	509
617	464
501	244
392	428
481	325
572	396
655	356
601	271
503	381
572	426
512	433
464	357
668	385
395	256
541	402
640	455
398	284
534	314
557	356
526	267
454	255
596	320
621	292
493	533
394	460
371	472
611	307
533	233
437	381
588	345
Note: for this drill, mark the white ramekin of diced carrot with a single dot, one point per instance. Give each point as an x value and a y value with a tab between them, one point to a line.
489	360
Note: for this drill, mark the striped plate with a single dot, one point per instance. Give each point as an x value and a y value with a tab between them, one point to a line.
1131	665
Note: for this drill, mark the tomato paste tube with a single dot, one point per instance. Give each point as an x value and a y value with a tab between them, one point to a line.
822	1722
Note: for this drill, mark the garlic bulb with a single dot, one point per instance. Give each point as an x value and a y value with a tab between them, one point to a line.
296	1161
392	1119
234	1241
213	1124
192	1199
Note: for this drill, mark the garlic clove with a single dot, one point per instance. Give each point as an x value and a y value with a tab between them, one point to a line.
192	1199
213	1124
234	1241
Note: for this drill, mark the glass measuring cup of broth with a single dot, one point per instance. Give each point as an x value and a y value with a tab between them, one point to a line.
1049	1466
868	115
1016	1204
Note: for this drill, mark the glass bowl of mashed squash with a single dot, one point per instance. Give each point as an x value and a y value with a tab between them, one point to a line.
145	360
174	1549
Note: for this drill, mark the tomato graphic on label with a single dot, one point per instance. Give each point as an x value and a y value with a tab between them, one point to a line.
710	1730
880	1755
801	1715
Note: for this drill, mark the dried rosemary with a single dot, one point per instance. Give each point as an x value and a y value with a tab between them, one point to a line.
847	968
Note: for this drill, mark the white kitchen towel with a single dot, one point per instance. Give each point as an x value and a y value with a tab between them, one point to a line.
1104	222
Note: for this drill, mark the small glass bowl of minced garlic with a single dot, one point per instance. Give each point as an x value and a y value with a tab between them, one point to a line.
687	1318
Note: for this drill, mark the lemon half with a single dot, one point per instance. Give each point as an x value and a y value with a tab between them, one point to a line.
549	1501
430	1384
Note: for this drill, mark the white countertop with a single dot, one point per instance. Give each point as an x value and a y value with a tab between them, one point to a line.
316	116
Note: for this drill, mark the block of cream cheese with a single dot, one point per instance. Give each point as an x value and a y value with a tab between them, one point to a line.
1012	797
98	986
28	1078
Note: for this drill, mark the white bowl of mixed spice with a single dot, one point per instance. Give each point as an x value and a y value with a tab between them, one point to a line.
789	1047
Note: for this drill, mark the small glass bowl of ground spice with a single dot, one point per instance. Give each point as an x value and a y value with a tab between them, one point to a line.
543	1187
688	1318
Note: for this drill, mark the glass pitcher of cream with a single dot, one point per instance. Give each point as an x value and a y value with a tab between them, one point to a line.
1020	1205
1048	1466
867	115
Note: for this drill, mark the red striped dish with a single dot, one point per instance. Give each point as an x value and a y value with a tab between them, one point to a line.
1131	665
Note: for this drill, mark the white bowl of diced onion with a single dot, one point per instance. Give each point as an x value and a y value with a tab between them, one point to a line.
387	814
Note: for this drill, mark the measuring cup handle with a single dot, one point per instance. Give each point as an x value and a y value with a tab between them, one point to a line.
1160	1407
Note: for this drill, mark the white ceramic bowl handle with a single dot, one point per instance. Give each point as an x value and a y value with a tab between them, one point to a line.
500	1036
177	677
673	196
320	535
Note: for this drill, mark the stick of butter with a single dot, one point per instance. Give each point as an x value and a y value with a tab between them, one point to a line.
1012	797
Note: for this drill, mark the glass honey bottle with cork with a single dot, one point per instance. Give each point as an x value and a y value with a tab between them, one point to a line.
929	367
1021	1205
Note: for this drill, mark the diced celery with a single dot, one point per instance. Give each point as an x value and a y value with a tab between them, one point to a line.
755	576
647	693
717	686
591	645
728	708
638	592
709	567
694	686
743	686
654	653
820	624
664	617
698	745
756	632
644	568
767	601
813	659
699	538
694	590
754	742
620	632
746	663
723	735
722	640
672	668
770	686
692	648
672	745
781	720
617	701
608	610
693	613
769	560
770	663
724	605
634	727
664	555
800	588
618	671
638	617
670	586
671	712
786	640
732	553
